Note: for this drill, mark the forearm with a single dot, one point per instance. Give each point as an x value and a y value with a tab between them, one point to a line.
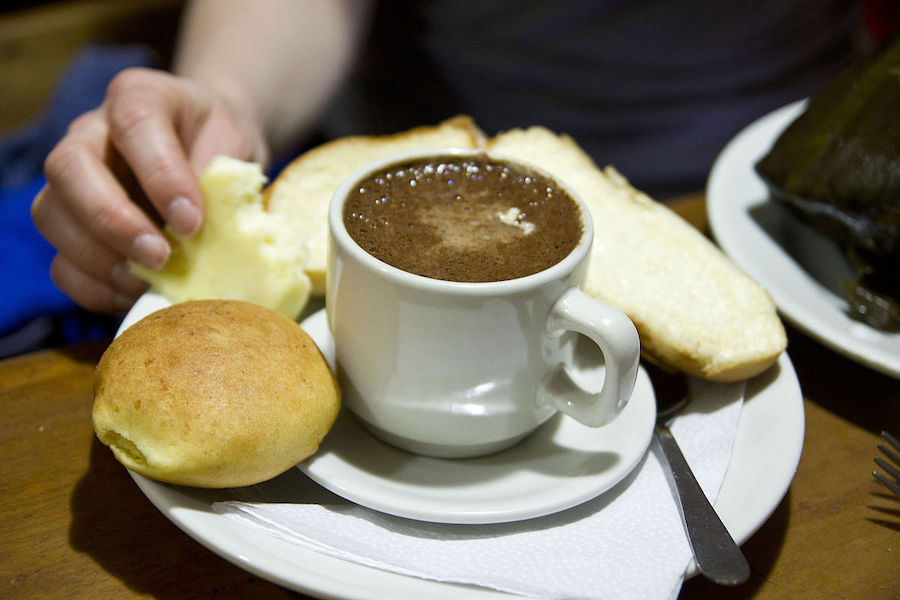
279	61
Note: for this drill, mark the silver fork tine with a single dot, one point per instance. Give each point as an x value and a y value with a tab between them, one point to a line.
891	453
891	439
893	485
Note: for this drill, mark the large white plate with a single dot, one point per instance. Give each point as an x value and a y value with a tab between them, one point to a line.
800	268
764	459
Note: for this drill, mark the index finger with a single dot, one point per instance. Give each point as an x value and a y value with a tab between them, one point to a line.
145	111
79	182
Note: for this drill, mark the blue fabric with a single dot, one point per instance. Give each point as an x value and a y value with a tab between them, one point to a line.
27	293
653	87
25	261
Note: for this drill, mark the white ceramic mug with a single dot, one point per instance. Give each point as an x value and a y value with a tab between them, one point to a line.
454	369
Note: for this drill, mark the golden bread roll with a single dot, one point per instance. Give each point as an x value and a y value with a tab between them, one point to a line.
213	393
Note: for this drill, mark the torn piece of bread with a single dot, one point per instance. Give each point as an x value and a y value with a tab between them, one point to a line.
241	252
694	309
213	393
303	189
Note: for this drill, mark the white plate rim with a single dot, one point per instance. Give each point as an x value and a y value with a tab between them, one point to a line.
733	190
766	452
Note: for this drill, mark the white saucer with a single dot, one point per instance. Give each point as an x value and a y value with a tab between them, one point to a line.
559	466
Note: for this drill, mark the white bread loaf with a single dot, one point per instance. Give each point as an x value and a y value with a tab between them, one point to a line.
213	393
694	309
303	190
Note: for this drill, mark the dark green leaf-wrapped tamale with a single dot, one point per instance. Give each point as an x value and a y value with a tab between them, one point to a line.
838	167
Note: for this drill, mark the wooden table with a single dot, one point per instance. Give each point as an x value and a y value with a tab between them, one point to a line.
74	524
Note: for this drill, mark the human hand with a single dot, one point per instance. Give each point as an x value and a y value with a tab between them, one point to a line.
124	169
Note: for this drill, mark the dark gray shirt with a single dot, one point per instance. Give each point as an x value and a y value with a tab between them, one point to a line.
653	87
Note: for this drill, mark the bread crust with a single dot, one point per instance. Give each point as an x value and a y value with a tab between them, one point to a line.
213	393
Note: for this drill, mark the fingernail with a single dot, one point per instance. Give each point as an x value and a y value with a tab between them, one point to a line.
150	250
183	216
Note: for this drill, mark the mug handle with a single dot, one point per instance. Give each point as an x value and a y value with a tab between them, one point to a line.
617	338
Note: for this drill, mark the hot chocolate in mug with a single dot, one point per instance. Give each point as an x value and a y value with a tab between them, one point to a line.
452	297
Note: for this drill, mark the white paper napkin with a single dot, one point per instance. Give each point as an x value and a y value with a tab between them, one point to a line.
628	543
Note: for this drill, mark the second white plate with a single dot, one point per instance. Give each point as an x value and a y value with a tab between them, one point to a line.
801	268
